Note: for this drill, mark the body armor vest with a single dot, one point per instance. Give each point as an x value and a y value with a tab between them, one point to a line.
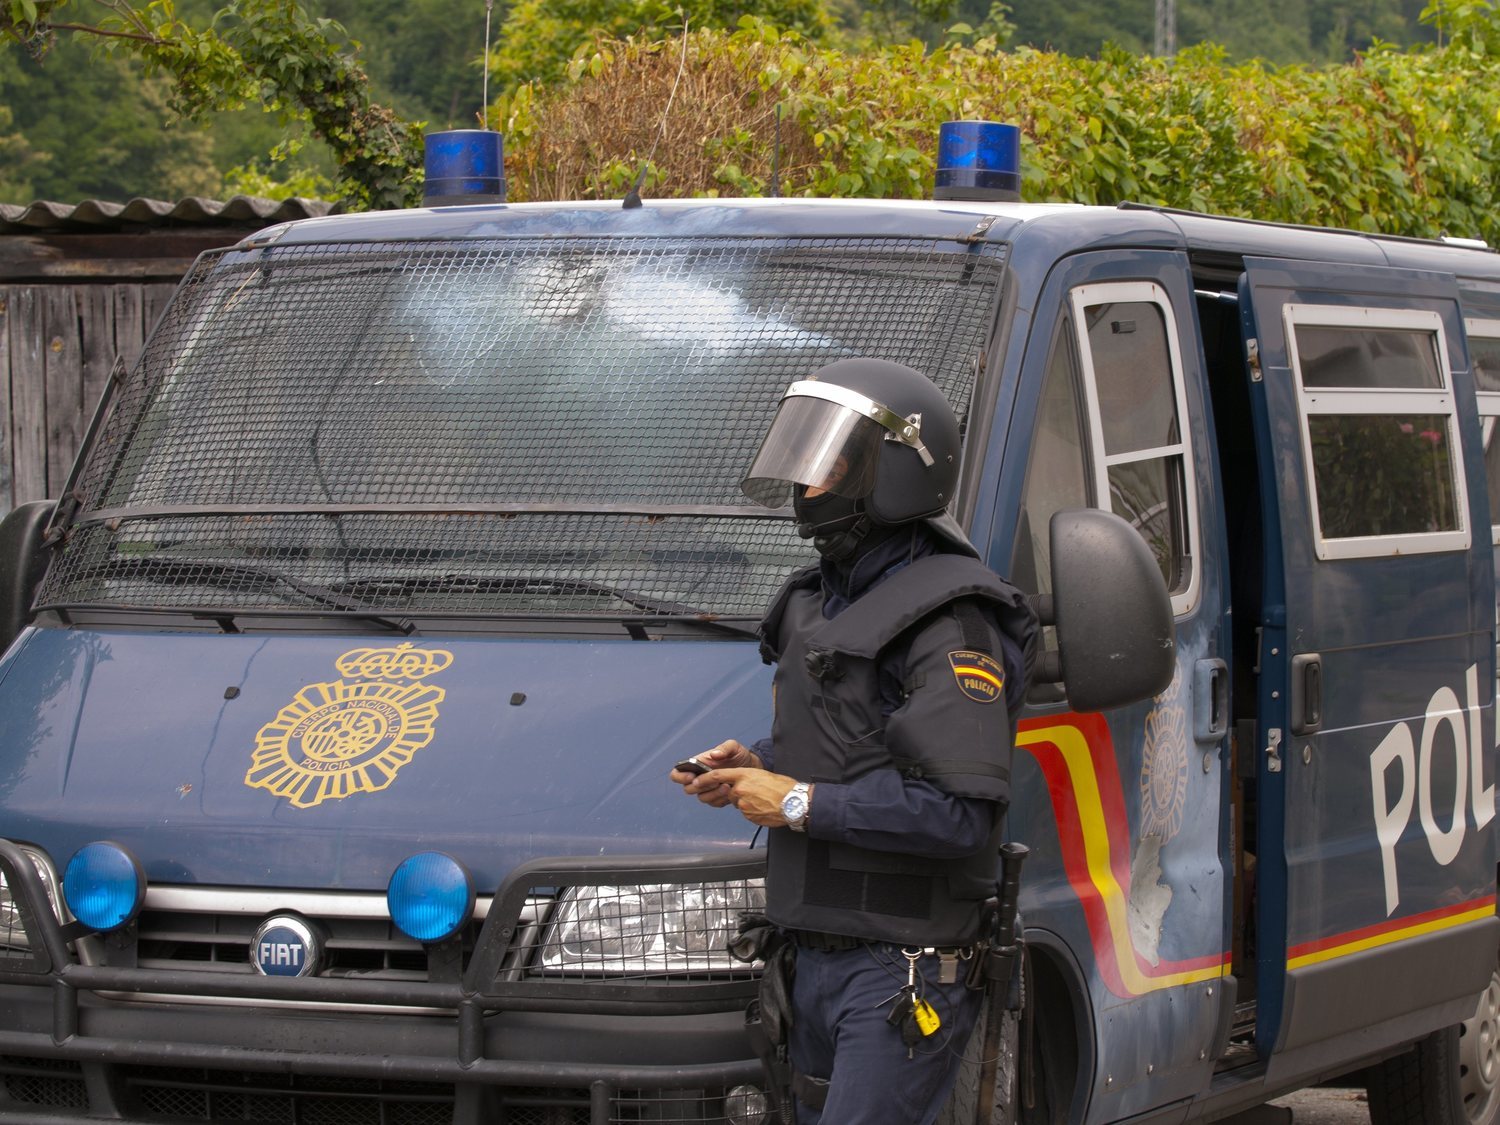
829	727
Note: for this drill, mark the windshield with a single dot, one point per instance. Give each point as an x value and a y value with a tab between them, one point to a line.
552	427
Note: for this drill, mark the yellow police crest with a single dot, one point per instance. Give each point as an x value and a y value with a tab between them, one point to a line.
352	735
979	675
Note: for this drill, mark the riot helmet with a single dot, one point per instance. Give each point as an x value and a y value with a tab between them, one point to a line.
860	445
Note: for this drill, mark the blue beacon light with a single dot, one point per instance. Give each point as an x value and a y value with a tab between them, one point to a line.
463	167
104	886
430	897
978	160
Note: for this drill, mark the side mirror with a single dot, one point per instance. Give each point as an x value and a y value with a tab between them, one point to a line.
23	559
1116	643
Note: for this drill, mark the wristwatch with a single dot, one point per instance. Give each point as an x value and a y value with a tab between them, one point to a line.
795	806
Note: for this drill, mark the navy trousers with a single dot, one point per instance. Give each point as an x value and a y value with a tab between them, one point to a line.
840	1002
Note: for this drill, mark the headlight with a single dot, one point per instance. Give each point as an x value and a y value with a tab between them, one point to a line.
662	928
12	933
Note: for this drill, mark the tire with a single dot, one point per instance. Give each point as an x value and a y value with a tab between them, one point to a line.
959	1109
1479	1058
1450	1078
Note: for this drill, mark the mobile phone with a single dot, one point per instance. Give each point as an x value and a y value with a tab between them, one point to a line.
691	765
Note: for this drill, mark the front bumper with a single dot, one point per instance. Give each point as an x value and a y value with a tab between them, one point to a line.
151	1045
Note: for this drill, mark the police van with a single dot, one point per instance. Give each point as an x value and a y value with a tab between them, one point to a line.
344	678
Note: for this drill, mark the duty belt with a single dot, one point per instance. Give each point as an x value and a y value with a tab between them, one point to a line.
824	943
837	943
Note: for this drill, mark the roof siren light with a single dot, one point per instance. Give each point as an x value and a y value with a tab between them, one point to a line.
464	167
979	161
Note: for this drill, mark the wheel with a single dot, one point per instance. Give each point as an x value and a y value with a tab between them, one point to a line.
1450	1078
1479	1057
960	1107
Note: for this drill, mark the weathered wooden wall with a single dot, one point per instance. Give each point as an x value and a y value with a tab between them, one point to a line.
80	286
58	344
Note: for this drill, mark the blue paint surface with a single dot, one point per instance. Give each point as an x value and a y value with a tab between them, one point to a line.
129	736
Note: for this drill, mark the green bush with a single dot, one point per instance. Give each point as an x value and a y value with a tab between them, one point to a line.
1399	142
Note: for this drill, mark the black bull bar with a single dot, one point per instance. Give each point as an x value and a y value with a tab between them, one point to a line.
480	990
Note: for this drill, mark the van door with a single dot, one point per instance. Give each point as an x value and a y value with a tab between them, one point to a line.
1375	864
1484	359
1124	812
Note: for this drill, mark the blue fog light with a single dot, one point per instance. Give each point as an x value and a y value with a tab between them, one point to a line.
104	886
463	166
430	897
978	160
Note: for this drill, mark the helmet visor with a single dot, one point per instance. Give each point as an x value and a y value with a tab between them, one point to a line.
818	443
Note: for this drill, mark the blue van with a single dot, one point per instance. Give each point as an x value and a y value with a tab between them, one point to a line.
344	678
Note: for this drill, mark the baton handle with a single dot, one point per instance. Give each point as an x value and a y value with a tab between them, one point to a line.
1011	857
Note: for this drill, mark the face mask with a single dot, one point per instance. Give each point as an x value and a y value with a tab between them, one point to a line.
836	524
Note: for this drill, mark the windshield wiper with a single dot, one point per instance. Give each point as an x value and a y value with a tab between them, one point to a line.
177	571
659	611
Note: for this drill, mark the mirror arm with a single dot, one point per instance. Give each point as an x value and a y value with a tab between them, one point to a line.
1042	605
1048	668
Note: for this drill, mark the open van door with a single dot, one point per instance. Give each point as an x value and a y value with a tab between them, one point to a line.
1375	852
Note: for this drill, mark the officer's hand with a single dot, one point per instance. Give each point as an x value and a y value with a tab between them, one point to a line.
756	793
725	754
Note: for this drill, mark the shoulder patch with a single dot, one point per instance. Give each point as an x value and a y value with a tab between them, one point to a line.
979	676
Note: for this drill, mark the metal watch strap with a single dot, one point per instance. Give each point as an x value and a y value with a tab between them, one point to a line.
805	791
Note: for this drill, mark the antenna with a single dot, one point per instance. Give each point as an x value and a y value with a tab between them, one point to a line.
484	104
633	196
776	157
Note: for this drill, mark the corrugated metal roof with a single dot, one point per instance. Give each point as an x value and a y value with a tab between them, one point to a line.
101	215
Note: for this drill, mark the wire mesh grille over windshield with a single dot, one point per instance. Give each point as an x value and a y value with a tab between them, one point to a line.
549	427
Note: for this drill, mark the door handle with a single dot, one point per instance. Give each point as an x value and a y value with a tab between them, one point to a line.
1210	700
1307	693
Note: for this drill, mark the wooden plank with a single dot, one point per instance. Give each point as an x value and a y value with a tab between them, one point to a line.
130	327
157	299
109	269
158	254
96	319
7	500
63	362
28	395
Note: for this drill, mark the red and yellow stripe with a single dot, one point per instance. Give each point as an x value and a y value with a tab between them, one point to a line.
1388	933
981	673
1077	759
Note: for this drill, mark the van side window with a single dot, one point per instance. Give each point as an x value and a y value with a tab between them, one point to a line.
1056	475
1379	428
1484	354
1133	382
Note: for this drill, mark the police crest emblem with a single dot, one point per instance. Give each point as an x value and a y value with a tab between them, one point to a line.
354	734
979	676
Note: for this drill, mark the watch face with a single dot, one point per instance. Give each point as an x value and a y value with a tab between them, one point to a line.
794	806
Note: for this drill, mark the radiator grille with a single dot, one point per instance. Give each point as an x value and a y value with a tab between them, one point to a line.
368	947
55	1083
183	1094
528	427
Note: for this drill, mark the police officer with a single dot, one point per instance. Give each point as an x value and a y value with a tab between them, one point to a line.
900	668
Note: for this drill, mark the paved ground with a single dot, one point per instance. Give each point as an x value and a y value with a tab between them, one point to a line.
1327	1106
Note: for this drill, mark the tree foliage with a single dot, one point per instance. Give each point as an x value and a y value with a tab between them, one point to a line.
1284	31
19	162
101	131
1402	141
269	50
424	55
1398	142
539	37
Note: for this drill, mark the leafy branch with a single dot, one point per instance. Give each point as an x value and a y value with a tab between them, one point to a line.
269	51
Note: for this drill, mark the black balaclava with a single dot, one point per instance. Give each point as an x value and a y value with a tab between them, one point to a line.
840	528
